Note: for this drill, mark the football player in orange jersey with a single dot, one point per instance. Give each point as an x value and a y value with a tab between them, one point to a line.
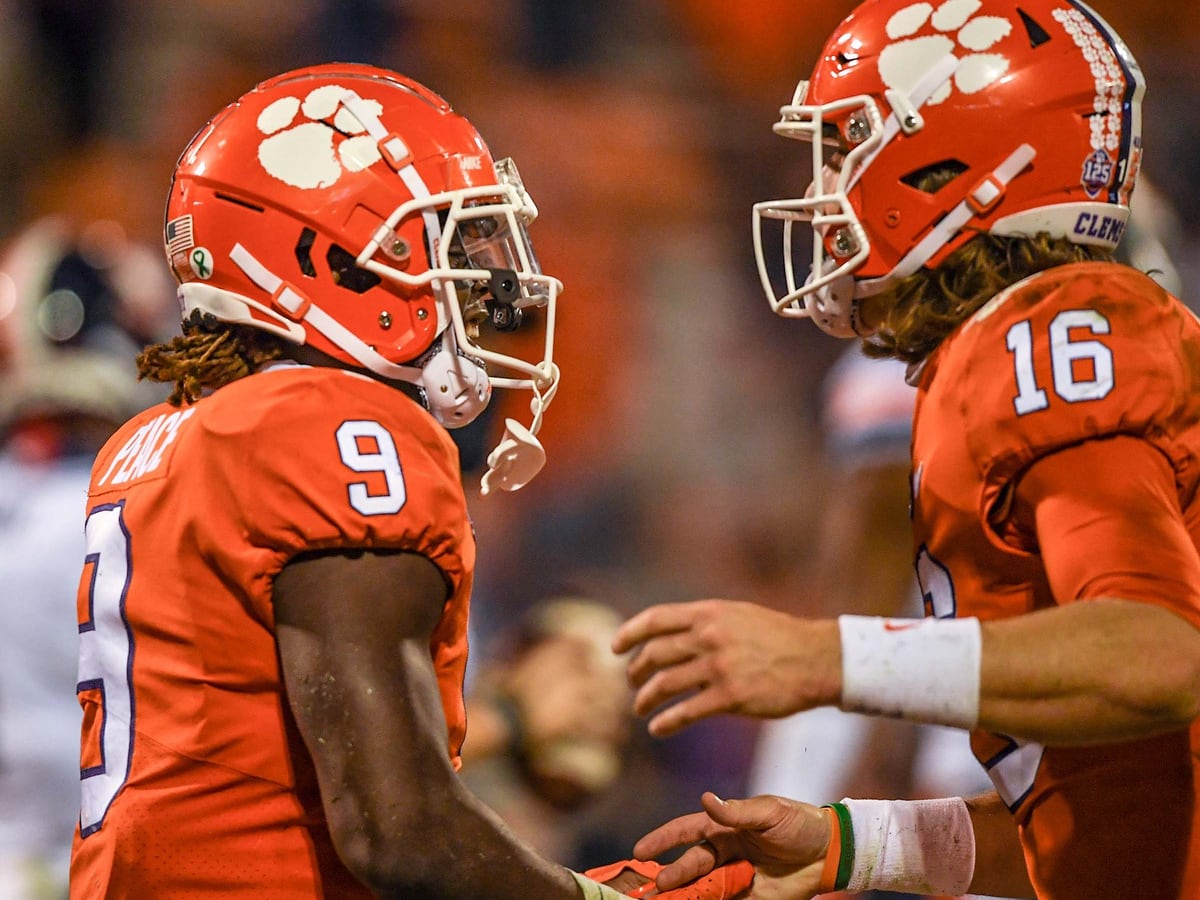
972	168
273	606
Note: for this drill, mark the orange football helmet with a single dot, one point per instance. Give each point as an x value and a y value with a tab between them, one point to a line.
1033	108
350	209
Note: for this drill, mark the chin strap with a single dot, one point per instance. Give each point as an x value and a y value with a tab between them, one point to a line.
519	456
516	460
457	387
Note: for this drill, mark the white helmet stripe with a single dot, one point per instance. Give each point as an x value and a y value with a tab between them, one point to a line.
939	73
318	319
952	222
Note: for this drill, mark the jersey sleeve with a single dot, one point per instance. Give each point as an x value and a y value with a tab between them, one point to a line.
1105	519
324	460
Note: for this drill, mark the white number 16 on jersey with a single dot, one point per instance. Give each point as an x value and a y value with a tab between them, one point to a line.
1071	384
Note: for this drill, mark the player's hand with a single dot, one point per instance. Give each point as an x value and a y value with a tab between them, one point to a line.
725	656
635	878
785	841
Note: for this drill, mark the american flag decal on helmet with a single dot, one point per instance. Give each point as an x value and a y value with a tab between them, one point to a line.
179	235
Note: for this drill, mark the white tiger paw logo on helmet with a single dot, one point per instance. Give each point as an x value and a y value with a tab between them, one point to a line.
901	64
305	155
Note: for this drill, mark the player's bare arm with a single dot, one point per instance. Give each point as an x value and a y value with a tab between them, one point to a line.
999	862
354	633
1067	675
1088	686
744	659
1077	673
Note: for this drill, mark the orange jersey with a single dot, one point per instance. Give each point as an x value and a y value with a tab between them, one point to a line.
1079	353
195	780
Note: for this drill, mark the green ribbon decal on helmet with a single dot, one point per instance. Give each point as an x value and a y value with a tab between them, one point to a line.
200	262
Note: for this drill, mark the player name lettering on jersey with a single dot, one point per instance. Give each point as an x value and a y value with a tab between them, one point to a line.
143	452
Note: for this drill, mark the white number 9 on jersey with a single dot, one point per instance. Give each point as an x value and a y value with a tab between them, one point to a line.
366	446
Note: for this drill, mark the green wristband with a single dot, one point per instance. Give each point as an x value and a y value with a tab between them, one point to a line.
846	857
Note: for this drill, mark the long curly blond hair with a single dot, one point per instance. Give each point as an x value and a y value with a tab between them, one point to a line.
208	354
922	309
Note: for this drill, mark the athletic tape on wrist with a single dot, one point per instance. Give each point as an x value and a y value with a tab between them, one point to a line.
923	670
910	846
594	890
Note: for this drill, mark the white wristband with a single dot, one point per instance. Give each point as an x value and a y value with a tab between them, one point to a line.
923	670
912	846
594	890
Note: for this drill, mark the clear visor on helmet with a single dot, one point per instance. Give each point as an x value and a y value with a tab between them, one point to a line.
495	277
483	270
487	230
499	242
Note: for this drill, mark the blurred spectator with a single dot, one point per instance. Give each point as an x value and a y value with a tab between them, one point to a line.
549	723
1154	238
864	565
75	305
551	744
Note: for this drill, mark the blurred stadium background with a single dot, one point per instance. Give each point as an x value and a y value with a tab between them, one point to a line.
684	445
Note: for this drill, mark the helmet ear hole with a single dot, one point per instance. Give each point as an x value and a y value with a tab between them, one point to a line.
346	272
304	252
935	176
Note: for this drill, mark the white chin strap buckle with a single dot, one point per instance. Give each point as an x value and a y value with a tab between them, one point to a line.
457	389
516	460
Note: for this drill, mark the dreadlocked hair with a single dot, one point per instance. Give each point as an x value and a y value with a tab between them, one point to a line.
923	309
208	355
